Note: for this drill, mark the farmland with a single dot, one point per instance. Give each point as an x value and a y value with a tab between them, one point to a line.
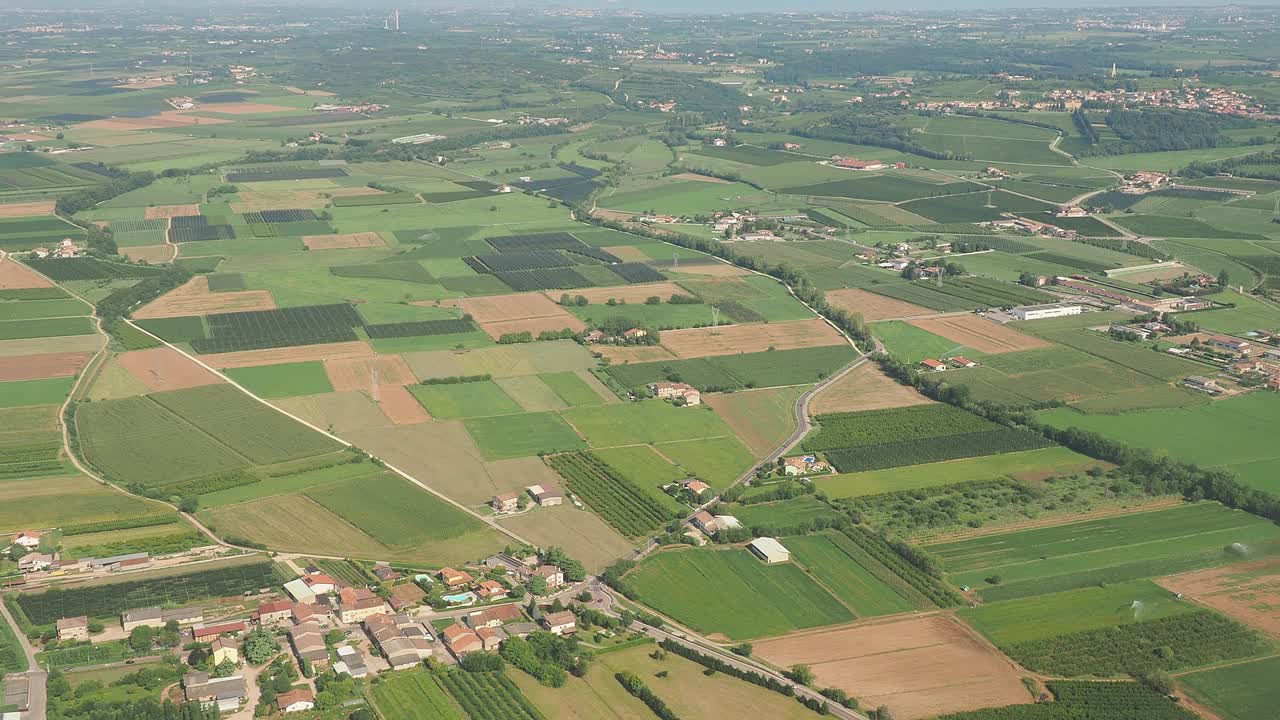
415	696
629	509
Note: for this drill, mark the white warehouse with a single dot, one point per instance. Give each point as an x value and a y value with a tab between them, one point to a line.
1040	312
769	550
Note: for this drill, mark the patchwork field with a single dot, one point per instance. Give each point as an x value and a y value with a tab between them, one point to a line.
194	298
918	667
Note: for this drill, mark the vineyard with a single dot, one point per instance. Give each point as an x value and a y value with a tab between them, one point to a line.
528	243
548	279
873	427
524	260
421	328
489	696
279	216
108	601
264	174
935	449
201	233
1170	643
629	509
259	329
884	556
65	269
413	696
594	253
966	293
1080	700
634	272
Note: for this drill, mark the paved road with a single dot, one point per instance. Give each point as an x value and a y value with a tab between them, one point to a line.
36	677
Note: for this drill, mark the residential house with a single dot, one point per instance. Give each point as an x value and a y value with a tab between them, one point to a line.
308	644
552	574
695	486
676	390
225	693
545	495
933	365
769	550
29	539
560	623
350	662
356	604
593	336
506	502
403	641
224	649
206	633
491	638
705	522
520	629
494	616
273	613
1071	211
73	628
296	700
804	465
491	590
454	578
320	584
961	361
634	334
460	640
385	573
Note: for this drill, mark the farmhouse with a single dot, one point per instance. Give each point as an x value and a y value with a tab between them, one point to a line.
506	502
273	613
494	616
856	164
155	617
206	633
350	661
1070	212
552	574
804	465
1041	312
695	486
676	390
296	700
299	591
73	628
933	365
1228	344
320	584
769	550
223	650
225	693
28	539
961	361
385	573
1203	384
402	640
560	623
545	495
35	562
308	644
356	604
705	522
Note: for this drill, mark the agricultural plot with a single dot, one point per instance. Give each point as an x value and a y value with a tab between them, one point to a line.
65	269
1246	592
488	696
1112	549
461	400
284	380
650	421
1236	692
755	600
852	575
1027	463
522	435
629	509
1118	700
966	293
732	372
761	419
1177	227
885	188
258	330
414	696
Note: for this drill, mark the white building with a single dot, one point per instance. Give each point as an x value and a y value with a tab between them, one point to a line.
1040	312
769	550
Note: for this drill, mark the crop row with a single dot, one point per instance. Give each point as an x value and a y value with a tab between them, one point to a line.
878	548
122	226
420	328
935	449
634	272
31	452
489	696
524	260
201	233
738	312
538	241
188	221
122	524
594	253
629	509
873	427
258	329
64	269
31	469
107	601
279	216
546	279
1170	643
1088	700
285	174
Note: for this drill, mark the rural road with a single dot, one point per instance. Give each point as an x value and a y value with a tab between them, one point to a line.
37	679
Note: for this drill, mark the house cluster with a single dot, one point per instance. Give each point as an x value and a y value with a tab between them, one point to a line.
540	495
181	102
487	629
677	392
67	248
363	109
1143	182
805	465
935	365
722	221
851	163
1037	228
628	336
711	524
542	121
1220	101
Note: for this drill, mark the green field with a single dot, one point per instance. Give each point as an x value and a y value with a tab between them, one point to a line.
718	461
649	421
50	391
414	696
394	512
912	477
284	380
461	400
1113	549
572	389
751	599
1237	692
522	435
834	562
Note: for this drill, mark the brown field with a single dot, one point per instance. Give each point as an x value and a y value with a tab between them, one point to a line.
700	178
628	293
733	339
533	325
345	240
15	276
255	200
164	368
919	667
342	411
400	406
166	119
245	108
873	306
170	211
1164	272
623	354
613	214
864	388
357	373
980	334
581	533
293	522
12	210
49	365
153	254
709	269
278	356
443	455
519	312
627	252
1249	593
317	93
194	298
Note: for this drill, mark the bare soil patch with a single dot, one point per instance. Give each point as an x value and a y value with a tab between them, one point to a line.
865	388
12	210
519	312
153	254
629	253
358	373
164	368
980	334
148	83
342	411
919	667
36	346
733	339
194	298
277	356
613	214
345	240
170	211
27	137
400	406
166	119
1249	592
873	306
16	276
623	354
245	108
700	178
49	365
628	293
